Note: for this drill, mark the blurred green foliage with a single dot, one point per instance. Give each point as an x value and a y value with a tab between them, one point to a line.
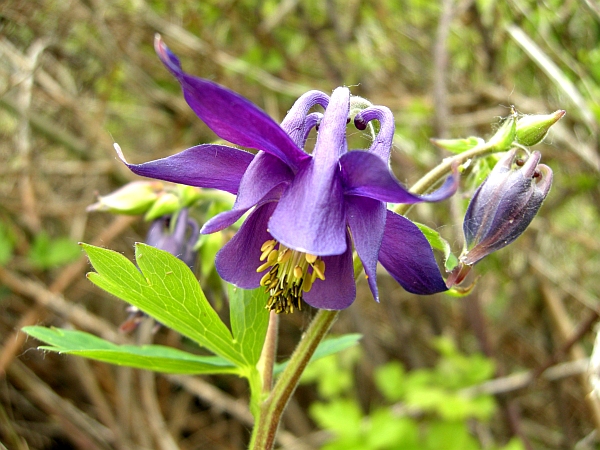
419	409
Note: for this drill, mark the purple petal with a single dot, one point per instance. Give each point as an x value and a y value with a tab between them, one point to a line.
238	260
207	166
338	290
294	123
408	257
382	144
229	115
310	216
331	140
312	120
263	175
365	174
366	219
228	218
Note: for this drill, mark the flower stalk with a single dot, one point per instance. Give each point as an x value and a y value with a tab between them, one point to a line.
271	410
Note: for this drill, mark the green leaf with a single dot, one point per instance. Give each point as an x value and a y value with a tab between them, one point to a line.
249	320
441	244
150	357
165	289
458	145
327	347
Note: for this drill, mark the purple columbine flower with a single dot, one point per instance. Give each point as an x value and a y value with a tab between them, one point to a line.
504	204
307	209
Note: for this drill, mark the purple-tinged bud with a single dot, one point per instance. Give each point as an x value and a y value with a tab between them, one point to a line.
532	129
179	240
504	205
133	198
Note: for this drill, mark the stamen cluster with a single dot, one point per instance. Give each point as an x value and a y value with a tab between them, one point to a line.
290	274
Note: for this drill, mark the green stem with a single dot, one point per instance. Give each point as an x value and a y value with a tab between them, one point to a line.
265	428
271	409
269	352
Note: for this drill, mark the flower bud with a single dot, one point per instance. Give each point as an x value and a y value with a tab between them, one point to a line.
504	205
532	129
505	135
133	198
178	239
166	204
188	194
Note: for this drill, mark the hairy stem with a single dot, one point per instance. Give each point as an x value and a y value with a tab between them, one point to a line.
272	408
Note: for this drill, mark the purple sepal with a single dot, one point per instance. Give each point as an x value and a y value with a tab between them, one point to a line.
229	115
237	261
214	166
408	257
366	175
366	219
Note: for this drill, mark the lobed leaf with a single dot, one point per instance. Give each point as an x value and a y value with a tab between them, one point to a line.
150	357
166	289
249	320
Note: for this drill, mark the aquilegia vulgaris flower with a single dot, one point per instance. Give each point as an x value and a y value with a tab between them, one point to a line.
308	209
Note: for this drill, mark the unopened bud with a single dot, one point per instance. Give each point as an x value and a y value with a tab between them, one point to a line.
188	194
505	136
133	198
504	205
178	239
532	129
166	204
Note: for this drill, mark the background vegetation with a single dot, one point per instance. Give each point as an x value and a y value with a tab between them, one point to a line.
77	75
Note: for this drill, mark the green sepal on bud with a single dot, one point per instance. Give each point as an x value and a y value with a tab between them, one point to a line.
532	129
132	199
458	145
506	134
188	195
166	204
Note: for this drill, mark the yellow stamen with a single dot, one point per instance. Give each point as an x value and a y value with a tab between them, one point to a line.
290	274
319	268
310	258
284	256
298	272
270	244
